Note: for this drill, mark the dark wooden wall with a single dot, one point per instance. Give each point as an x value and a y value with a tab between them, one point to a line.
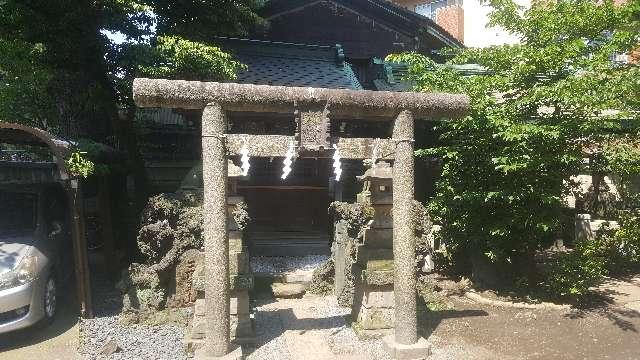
325	23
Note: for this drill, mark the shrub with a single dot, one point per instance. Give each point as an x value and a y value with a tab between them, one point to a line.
620	247
572	274
612	252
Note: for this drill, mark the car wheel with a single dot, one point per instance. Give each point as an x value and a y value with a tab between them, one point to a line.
50	299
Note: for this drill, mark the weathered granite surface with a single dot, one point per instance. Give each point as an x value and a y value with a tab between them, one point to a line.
406	326
264	98
216	239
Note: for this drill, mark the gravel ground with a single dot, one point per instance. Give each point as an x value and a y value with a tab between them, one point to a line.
276	265
134	341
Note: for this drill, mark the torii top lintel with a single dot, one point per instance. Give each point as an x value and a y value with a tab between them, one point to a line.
284	99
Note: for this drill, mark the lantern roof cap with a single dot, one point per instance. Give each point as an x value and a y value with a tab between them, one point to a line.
381	170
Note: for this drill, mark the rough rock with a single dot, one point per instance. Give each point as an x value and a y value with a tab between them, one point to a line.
185	294
109	348
322	281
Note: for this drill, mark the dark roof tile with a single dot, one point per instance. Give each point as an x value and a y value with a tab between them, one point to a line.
274	63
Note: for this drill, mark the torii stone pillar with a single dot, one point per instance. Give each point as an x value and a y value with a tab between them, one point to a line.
404	252
405	343
216	238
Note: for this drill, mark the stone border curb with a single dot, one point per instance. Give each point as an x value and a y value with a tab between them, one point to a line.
472	295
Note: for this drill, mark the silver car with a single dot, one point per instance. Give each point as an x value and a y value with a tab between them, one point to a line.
32	231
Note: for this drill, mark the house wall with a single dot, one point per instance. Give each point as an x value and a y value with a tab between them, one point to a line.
451	18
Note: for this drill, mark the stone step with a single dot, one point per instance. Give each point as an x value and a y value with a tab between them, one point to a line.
282	290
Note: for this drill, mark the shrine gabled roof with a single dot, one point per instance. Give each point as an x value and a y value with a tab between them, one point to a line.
287	64
394	16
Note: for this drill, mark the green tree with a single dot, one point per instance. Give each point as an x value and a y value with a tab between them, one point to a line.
86	74
23	85
539	105
63	73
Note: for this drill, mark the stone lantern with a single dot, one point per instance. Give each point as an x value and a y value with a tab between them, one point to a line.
374	299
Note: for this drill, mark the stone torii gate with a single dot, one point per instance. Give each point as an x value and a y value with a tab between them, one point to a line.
313	108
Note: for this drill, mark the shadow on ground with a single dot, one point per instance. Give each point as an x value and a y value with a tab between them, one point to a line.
429	320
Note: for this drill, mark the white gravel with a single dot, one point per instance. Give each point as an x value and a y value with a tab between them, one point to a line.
135	342
282	264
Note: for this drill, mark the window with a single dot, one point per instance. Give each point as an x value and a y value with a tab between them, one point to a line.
429	9
18	211
425	10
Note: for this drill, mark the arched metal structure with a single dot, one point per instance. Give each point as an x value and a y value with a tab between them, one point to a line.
18	134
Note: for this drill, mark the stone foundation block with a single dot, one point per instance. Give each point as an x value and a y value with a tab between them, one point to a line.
238	262
379	238
199	307
235	354
282	290
376	318
241	327
239	303
418	351
236	243
301	277
199	327
378	296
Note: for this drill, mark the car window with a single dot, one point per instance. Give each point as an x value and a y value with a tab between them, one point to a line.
18	211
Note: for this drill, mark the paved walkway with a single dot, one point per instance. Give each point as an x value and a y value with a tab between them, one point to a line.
59	341
305	329
623	292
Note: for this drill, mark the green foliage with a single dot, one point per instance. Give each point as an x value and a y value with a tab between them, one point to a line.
612	252
56	63
23	79
572	274
537	106
177	58
620	248
79	166
195	19
623	158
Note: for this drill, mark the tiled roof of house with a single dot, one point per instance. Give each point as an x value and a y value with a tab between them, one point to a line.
275	63
390	76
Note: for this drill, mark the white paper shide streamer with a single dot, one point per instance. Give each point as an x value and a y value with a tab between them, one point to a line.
244	151
337	166
288	160
374	153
